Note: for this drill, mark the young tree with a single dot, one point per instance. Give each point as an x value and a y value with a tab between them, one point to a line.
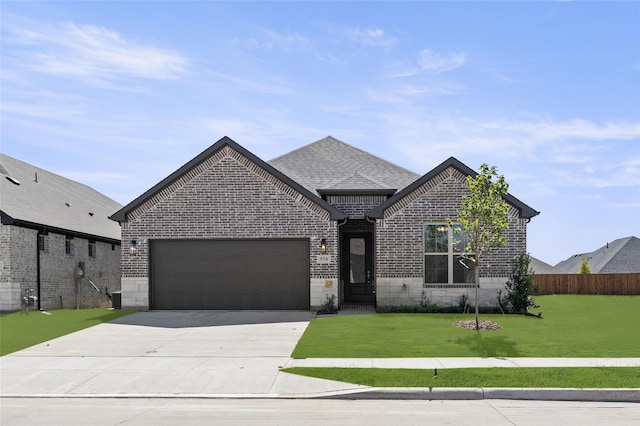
584	268
483	218
519	287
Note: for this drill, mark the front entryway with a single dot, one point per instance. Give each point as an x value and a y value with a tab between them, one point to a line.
357	273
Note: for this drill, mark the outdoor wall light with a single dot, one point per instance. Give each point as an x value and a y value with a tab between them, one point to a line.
323	246
134	246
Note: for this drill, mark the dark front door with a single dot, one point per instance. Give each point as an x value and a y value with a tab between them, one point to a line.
358	268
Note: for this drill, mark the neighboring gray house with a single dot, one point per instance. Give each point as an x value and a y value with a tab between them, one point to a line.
617	257
49	225
542	268
230	231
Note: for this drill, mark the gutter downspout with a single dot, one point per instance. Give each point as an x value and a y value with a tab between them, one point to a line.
38	266
340	284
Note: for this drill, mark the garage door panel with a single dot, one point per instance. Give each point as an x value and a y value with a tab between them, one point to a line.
230	274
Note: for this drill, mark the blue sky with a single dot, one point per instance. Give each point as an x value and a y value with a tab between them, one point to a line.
118	95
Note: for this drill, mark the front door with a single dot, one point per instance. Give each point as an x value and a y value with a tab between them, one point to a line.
358	268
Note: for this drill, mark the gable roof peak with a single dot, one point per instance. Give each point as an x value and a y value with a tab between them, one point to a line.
378	212
121	215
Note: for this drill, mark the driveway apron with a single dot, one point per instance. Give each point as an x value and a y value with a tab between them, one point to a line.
165	353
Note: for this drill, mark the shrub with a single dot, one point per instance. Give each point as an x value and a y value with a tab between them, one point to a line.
584	268
329	304
519	287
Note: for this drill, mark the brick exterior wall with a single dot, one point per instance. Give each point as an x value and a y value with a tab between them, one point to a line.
18	270
226	196
400	247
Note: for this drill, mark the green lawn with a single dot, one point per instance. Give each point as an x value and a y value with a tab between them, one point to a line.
19	330
572	326
575	377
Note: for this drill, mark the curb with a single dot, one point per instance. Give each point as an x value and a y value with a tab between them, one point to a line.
426	394
532	394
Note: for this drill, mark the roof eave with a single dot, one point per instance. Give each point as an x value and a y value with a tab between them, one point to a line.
121	215
377	191
378	212
57	230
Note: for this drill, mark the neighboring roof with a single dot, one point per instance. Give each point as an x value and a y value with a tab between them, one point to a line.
36	198
541	268
619	256
332	164
121	215
525	211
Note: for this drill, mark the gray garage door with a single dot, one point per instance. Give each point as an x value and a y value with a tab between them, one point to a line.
229	274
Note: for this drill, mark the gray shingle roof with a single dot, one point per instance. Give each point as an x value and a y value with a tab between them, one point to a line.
54	201
619	256
540	268
333	164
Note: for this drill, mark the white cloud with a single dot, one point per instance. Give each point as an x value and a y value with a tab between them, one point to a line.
268	39
573	150
374	37
433	62
276	88
94	53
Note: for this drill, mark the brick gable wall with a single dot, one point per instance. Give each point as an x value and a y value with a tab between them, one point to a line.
399	236
227	196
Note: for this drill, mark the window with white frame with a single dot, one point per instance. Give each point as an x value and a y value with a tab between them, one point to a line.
445	259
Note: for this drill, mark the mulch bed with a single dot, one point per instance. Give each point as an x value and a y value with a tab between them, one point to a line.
484	325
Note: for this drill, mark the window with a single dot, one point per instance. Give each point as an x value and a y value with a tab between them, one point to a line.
443	263
42	242
92	248
68	245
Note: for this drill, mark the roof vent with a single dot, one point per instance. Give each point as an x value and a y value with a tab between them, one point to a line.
13	180
90	214
67	204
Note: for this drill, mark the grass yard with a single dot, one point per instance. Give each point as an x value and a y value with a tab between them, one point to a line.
575	377
19	330
572	326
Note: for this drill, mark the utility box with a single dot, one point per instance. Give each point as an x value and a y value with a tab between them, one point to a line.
116	300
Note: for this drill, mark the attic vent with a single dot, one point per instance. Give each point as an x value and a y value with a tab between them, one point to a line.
13	180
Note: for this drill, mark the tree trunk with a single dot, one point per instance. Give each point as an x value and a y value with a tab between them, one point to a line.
477	286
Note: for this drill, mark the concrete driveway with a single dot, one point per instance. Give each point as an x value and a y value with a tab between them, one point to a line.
168	353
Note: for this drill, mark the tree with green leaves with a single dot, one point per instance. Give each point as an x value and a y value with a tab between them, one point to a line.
584	268
519	287
482	218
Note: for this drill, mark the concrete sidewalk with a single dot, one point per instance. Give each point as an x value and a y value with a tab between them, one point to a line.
431	363
235	355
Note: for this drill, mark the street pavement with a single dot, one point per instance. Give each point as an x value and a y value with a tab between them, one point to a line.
233	354
310	412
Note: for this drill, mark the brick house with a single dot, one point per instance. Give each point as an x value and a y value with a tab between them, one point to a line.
230	231
49	226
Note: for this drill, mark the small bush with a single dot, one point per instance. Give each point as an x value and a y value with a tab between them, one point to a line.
407	309
584	268
429	309
329	304
519	287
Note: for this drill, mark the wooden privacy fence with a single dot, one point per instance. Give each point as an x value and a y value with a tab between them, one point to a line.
615	284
